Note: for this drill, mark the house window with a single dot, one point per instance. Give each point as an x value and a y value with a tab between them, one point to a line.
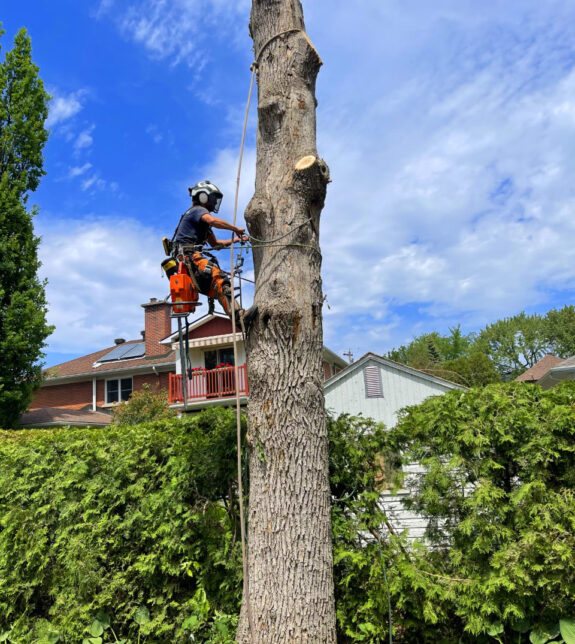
117	390
220	382
372	380
219	356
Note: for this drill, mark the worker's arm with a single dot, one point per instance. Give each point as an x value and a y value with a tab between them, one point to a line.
216	222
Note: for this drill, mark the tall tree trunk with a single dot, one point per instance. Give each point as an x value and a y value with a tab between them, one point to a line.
289	530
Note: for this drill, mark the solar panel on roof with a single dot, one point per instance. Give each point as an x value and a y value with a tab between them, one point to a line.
115	354
136	351
124	351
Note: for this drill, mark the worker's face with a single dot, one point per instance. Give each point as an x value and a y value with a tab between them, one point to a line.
216	207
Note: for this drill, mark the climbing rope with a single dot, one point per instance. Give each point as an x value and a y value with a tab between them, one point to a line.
236	377
270	40
259	243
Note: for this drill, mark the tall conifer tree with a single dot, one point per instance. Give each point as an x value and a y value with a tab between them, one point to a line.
23	328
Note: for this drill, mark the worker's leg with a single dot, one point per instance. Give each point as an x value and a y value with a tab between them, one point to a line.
202	272
213	282
222	290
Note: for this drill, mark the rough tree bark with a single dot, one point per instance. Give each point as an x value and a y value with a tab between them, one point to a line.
289	531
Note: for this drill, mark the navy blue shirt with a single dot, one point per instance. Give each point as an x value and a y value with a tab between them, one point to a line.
191	229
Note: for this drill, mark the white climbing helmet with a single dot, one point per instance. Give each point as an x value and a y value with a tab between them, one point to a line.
207	194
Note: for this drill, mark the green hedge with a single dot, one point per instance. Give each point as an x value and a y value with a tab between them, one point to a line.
119	520
137	526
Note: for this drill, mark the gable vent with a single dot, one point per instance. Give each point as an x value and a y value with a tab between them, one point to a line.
372	379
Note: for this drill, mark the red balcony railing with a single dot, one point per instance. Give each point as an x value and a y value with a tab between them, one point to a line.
209	385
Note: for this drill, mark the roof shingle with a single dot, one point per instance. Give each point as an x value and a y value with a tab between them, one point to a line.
56	416
539	369
85	364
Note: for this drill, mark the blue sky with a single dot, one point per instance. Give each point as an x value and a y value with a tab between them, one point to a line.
449	128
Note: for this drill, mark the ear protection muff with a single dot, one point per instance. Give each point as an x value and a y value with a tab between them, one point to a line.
203	198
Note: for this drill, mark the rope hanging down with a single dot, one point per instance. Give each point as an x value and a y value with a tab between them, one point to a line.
238	409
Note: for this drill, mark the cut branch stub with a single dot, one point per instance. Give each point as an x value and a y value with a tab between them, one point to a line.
306	162
311	177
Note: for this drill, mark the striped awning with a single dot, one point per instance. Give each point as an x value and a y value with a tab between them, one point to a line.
214	340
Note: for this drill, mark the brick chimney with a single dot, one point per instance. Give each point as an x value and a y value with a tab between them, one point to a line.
158	325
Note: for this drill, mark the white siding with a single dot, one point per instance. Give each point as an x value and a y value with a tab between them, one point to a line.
402	519
347	395
400	389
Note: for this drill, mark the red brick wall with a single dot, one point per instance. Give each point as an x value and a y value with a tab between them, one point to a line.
160	381
100	393
158	325
156	382
217	326
77	395
326	370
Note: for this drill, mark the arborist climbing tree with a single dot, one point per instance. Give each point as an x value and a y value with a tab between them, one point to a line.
290	592
186	247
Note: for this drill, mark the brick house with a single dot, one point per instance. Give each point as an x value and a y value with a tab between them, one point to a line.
87	388
94	383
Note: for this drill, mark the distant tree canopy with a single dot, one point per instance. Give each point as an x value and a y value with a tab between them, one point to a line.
23	328
500	351
517	343
453	357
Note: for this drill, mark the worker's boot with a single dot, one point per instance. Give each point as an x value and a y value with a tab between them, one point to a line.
248	317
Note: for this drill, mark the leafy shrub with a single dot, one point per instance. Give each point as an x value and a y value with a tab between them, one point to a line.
112	520
379	579
115	523
143	406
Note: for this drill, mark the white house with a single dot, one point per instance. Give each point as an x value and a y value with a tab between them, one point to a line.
379	388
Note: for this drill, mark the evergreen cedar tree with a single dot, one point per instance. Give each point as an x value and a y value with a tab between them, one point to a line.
146	537
23	328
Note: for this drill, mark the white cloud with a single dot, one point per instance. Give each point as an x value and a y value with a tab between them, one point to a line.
452	198
84	139
63	108
180	30
155	132
78	171
98	273
95	183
